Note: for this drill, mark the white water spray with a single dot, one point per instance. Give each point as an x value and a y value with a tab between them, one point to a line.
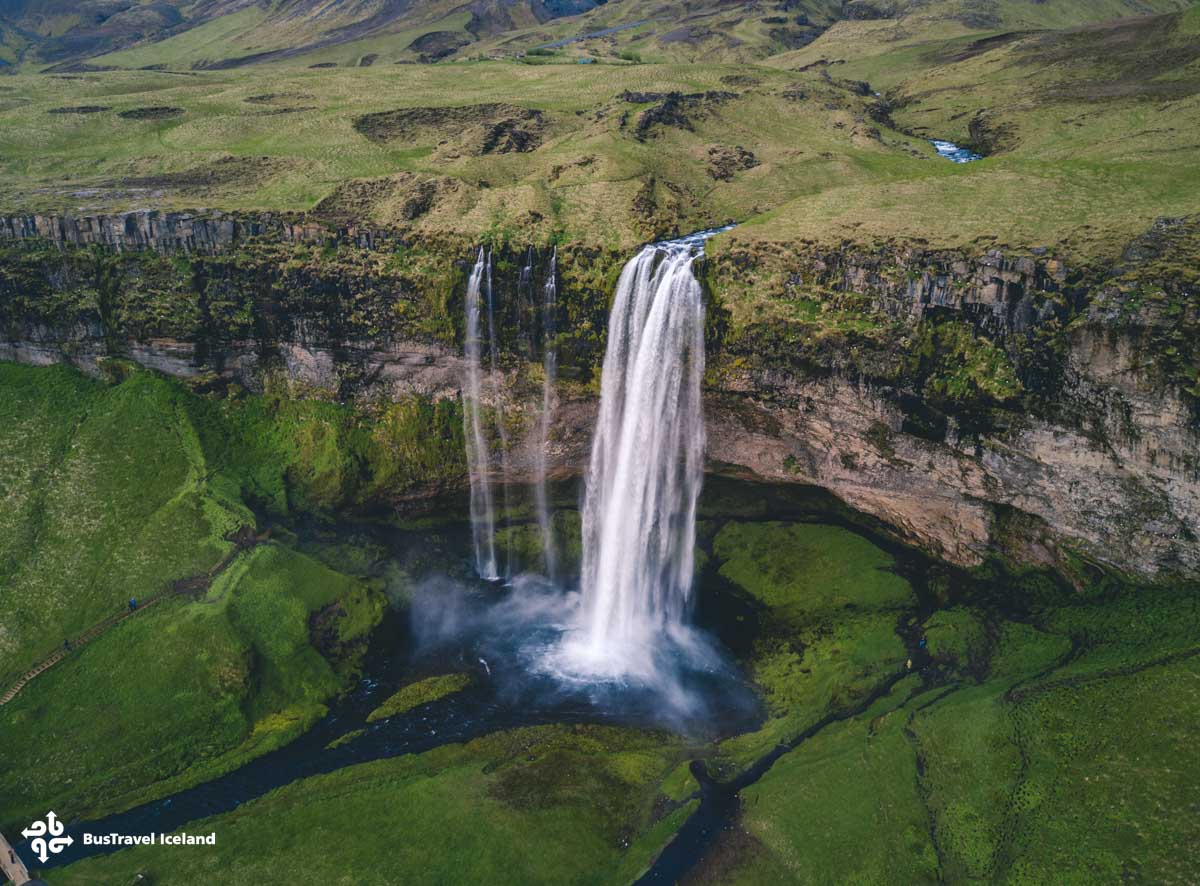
549	378
478	458
639	514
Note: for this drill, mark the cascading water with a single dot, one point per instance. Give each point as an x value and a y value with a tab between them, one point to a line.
483	522
549	378
646	469
498	408
525	309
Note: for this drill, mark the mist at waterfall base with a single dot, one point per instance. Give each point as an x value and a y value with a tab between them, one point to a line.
512	635
619	632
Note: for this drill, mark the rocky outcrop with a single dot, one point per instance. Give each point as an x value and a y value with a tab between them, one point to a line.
1131	501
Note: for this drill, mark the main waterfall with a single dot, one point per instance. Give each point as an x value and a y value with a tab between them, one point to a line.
643	481
627	625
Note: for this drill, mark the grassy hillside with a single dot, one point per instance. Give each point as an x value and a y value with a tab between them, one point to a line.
1040	735
115	489
558	804
1089	134
600	154
888	46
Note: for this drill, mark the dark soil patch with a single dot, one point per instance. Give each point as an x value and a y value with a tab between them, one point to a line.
741	81
275	112
867	10
153	112
324	65
80	109
725	162
480	129
990	136
367	60
437	45
271	98
795	37
675	109
248	171
353	201
686	34
979	47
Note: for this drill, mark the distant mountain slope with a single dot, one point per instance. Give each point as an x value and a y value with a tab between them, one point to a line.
59	30
184	34
245	31
879	29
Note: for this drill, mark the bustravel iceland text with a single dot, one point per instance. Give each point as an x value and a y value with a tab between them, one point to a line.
149	839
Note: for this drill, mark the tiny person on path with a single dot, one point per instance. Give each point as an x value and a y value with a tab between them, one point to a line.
132	604
67	645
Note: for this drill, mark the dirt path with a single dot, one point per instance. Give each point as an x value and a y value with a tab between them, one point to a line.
243	539
12	866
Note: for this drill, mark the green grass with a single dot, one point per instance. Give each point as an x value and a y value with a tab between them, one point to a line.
1068	761
803	572
831	607
1109	779
112	503
809	823
116	491
212	41
542	805
185	691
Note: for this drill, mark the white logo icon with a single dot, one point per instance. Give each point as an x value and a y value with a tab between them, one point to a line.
38	832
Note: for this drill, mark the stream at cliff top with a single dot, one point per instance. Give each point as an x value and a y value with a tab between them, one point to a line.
954	153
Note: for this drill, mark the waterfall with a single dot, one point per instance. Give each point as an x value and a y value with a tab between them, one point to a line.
549	376
646	467
498	411
478	459
525	310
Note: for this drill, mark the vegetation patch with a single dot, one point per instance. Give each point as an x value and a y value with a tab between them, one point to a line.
422	692
118	489
544	805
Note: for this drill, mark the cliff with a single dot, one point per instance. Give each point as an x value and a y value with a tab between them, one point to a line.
975	403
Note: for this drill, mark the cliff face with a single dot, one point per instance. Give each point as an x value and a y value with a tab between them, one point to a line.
169	231
974	403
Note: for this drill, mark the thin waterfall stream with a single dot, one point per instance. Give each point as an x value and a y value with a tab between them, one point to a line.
498	410
549	394
483	520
